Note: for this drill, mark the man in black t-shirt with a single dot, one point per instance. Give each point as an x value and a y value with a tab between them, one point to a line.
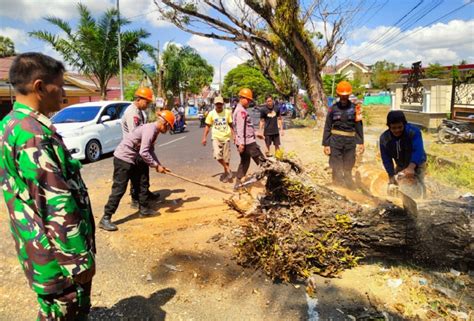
271	124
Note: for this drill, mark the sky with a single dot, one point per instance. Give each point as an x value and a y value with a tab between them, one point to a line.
400	31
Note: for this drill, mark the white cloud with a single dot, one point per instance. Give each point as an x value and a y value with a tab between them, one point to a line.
446	43
222	58
207	47
28	10
18	36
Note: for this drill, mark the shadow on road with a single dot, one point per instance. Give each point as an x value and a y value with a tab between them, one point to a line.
164	204
136	307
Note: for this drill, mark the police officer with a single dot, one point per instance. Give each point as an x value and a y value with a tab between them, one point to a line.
245	135
342	132
133	117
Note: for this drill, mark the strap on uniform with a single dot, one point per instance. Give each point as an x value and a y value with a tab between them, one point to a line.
342	133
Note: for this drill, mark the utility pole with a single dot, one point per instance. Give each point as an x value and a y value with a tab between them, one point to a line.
158	70
334	77
120	51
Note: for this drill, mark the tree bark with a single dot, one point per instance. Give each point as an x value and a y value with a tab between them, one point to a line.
440	235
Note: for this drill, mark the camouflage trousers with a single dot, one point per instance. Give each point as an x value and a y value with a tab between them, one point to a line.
71	304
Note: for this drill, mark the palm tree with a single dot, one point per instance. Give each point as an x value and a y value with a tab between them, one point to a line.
93	47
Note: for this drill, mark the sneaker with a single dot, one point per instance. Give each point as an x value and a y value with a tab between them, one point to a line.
106	224
229	176
147	212
237	184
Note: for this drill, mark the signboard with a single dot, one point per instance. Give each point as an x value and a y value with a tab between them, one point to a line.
160	102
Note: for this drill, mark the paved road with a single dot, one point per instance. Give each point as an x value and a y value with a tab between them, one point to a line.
182	153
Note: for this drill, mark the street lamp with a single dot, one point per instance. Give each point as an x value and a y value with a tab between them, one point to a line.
220	70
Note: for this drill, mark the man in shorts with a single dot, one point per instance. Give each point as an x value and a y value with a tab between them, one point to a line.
271	124
220	120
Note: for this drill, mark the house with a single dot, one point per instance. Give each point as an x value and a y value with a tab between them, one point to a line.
351	70
78	88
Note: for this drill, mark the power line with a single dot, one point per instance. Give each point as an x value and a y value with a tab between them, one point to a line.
389	30
417	30
405	26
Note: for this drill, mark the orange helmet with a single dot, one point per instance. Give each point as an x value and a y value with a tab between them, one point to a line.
145	93
168	116
246	93
344	88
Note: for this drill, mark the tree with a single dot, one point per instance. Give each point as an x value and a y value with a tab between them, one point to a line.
185	70
274	69
434	71
7	47
93	47
328	83
383	73
250	77
284	27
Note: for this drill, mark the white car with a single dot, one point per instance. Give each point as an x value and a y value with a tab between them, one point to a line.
91	129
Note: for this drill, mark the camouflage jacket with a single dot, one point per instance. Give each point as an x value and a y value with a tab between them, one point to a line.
50	213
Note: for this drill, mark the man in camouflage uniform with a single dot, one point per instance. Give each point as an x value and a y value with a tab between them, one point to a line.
50	213
133	117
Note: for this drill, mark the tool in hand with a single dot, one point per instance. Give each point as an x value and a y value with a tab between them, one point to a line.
198	183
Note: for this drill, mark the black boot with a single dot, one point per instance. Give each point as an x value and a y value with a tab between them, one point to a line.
147	212
134	203
106	224
153	196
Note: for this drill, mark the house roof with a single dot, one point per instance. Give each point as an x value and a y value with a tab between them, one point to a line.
460	67
342	65
79	80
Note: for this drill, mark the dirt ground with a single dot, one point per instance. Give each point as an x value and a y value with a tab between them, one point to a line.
178	266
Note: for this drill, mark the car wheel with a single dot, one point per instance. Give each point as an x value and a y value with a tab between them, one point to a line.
93	151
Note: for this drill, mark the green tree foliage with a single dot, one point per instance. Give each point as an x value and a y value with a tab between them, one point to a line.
434	71
7	47
328	80
383	74
304	35
185	70
250	77
93	47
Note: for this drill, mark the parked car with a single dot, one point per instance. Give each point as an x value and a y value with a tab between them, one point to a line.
91	129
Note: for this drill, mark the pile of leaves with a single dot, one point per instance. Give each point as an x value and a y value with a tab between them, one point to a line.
297	229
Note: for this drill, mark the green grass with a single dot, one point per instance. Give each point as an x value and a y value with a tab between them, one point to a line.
307	122
461	175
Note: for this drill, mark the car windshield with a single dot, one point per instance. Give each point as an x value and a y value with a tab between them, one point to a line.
75	115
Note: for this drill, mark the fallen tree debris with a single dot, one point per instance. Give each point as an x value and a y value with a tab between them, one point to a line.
296	228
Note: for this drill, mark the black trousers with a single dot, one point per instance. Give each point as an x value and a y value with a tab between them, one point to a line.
342	159
134	186
251	151
123	172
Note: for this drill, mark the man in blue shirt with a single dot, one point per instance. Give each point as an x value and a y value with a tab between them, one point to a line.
403	143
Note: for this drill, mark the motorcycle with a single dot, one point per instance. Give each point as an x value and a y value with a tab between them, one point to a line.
452	131
179	125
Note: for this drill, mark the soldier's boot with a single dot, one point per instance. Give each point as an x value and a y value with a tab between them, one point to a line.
134	203
106	224
147	212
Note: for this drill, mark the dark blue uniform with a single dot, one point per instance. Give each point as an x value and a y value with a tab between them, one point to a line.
342	133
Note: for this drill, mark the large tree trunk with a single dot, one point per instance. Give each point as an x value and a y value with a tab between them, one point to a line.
295	216
317	96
